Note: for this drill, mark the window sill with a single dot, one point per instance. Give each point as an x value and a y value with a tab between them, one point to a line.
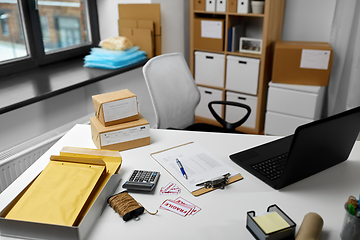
23	89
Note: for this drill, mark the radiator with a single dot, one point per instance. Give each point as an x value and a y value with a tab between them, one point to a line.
14	161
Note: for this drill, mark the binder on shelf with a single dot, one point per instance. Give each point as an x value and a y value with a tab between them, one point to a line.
232	6
220	5
237	32
191	156
243	6
230	31
210	5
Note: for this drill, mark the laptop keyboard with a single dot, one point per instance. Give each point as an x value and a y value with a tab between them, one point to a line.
271	168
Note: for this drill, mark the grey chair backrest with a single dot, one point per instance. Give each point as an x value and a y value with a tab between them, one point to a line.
172	89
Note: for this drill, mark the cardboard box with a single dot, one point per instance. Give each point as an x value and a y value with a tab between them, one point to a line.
304	63
121	136
115	107
32	230
140	32
144	12
199	5
209	34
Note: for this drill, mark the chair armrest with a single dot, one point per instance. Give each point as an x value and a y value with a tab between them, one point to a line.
225	124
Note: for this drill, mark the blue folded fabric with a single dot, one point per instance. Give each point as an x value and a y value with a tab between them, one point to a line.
112	59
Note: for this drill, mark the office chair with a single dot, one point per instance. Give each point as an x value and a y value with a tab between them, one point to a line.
175	96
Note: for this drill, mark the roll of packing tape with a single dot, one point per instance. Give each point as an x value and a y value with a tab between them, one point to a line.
311	227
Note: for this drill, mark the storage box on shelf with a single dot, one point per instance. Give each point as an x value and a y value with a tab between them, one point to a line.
290	105
242	74
210	33
209	69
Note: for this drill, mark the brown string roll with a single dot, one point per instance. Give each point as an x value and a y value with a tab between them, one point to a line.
125	205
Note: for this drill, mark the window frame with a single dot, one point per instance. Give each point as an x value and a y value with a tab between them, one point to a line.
30	20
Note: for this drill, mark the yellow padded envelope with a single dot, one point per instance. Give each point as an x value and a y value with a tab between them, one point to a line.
59	193
111	158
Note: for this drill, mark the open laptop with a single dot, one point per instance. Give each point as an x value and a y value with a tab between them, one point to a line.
313	148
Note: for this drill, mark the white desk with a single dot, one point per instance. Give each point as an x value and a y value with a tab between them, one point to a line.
223	214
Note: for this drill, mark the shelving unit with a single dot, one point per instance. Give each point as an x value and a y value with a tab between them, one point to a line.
268	27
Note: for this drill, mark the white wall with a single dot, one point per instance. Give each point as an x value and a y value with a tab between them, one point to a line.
308	20
305	20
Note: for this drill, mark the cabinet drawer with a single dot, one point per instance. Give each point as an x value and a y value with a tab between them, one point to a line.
242	74
209	68
281	124
208	95
307	104
234	114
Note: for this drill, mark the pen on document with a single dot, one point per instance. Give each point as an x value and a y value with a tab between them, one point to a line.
181	168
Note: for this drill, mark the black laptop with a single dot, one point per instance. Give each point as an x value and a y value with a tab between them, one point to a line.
313	148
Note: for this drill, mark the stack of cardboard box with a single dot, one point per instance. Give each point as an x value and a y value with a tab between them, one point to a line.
142	25
117	124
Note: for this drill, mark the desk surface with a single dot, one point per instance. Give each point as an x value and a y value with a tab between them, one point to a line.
223	214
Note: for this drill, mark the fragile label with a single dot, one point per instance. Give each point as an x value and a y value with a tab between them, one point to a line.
195	208
175	207
171	188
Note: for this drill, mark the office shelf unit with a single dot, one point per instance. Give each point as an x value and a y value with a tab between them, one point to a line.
267	27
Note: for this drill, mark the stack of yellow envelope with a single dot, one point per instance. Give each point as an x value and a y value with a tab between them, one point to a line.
65	190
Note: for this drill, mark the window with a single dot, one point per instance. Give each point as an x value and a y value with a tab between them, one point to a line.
38	32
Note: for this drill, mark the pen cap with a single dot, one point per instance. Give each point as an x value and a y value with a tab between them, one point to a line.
311	227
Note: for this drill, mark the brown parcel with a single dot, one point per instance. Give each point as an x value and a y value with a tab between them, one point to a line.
201	42
120	111
121	136
287	60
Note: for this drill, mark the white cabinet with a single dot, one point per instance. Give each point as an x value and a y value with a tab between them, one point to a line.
290	105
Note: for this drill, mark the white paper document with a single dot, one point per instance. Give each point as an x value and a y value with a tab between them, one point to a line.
315	59
211	29
120	109
199	164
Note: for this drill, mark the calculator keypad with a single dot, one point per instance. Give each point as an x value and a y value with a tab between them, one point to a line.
142	180
143	176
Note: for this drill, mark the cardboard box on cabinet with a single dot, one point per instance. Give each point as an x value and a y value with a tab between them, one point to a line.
304	63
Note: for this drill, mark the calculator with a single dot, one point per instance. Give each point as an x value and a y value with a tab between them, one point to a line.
142	180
